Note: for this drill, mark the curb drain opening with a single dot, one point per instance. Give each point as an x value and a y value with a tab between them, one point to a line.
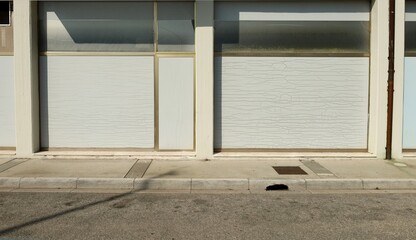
277	187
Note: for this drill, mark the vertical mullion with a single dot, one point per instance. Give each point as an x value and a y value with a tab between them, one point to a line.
156	78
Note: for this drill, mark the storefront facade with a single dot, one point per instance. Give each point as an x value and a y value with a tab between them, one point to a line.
201	79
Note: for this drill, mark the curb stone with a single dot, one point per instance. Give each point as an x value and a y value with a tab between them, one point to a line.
162	184
261	184
389	184
105	183
334	184
189	184
9	182
60	183
220	184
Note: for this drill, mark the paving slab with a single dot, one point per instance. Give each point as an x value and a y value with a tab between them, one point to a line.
12	163
4	160
258	169
367	168
71	168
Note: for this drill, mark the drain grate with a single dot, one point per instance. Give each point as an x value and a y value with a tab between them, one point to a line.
290	170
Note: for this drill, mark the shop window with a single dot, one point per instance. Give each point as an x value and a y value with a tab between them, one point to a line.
96	26
5	8
293	27
176	27
410	28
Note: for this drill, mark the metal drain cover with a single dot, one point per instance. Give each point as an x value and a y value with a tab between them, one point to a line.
290	170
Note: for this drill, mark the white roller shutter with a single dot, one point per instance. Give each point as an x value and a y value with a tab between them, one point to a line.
298	95
7	103
97	102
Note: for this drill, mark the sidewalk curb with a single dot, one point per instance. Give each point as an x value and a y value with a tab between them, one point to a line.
190	184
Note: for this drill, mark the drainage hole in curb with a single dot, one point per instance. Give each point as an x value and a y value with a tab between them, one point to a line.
277	187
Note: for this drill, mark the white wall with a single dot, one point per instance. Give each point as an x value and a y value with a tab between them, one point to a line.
291	102
7	103
176	103
97	102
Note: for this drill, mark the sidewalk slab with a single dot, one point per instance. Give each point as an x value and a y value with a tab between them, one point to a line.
4	160
197	176
71	168
12	163
366	168
218	169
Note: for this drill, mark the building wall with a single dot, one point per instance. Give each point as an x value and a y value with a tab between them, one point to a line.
27	107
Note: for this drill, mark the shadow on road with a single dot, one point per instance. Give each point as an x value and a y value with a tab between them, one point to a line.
80	208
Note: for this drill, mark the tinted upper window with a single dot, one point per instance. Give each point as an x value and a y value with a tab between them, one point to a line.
4	13
293	26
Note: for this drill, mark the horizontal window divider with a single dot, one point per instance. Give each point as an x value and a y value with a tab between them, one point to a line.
6	54
410	54
63	149
164	54
283	54
358	150
175	54
7	148
53	53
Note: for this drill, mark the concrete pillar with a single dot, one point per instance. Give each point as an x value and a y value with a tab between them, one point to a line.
378	77
397	143
26	77
204	51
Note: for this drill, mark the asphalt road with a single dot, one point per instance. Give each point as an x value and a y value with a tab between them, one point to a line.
275	215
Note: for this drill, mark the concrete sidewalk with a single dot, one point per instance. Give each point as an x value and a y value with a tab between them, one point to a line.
131	174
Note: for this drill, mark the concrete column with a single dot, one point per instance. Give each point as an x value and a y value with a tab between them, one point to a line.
204	48
397	143
378	77
26	77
